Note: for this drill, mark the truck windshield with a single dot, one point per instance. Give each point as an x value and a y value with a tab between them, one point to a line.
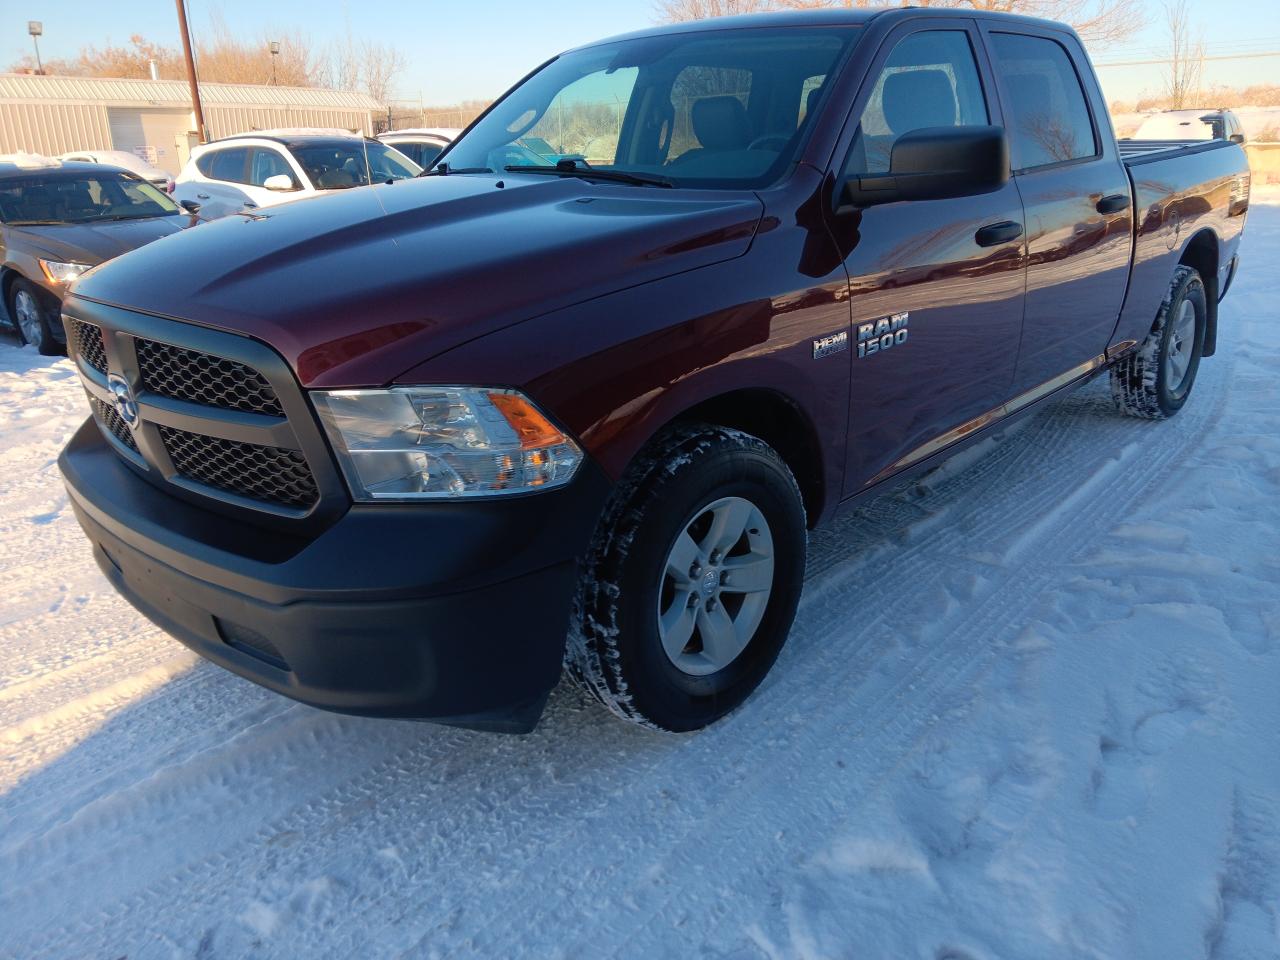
718	109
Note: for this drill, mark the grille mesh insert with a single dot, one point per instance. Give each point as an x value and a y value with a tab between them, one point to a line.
264	473
197	377
87	341
108	417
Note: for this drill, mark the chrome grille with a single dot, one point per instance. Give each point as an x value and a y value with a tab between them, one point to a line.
86	340
114	423
186	374
249	470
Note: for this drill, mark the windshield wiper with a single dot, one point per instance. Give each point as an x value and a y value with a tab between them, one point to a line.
443	170
34	223
570	168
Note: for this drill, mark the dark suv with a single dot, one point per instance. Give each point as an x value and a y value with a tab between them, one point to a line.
406	450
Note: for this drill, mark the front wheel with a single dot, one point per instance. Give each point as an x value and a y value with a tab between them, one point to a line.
692	581
29	317
1155	381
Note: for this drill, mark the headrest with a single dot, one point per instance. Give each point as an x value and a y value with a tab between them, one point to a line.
720	123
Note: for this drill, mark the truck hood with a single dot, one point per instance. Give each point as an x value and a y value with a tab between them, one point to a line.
92	243
354	288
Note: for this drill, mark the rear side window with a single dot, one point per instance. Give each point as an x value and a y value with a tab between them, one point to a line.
226	164
929	80
1048	115
421	152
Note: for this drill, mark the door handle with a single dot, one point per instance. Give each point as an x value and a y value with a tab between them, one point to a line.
994	234
250	205
1113	204
202	196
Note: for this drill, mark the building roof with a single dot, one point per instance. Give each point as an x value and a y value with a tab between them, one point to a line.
147	93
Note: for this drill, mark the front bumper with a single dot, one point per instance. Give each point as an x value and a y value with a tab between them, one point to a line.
453	612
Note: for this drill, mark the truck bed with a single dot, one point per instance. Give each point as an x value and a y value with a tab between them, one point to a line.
1135	151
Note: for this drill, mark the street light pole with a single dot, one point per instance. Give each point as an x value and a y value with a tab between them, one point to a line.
201	132
275	52
36	28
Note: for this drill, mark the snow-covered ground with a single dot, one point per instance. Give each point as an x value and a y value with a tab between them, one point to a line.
1030	709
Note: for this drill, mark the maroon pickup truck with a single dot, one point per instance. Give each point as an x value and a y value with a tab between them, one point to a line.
572	398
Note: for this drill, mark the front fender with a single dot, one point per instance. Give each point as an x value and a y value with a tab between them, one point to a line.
615	370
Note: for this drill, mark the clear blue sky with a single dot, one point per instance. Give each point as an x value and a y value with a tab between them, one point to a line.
461	49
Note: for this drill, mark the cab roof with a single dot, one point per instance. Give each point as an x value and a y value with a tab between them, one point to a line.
826	17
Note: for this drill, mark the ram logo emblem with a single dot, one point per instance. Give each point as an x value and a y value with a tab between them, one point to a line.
877	336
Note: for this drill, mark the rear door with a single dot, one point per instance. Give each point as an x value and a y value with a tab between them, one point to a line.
220	190
1075	191
936	286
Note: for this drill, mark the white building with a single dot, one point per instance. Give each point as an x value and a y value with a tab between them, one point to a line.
153	118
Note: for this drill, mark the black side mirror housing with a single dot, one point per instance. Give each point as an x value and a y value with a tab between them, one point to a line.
1237	138
934	163
190	206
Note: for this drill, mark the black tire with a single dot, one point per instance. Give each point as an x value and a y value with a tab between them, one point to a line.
615	650
1140	383
39	334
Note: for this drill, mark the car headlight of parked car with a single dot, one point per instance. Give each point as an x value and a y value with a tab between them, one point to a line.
425	443
59	272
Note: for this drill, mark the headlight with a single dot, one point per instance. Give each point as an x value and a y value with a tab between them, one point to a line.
59	272
427	443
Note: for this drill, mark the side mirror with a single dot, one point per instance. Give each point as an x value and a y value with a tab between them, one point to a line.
190	206
934	163
1237	138
281	183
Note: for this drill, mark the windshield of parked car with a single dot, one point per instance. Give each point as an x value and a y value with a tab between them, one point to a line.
338	164
86	198
718	108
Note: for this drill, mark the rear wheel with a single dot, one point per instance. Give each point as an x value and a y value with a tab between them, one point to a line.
1155	381
30	318
692	581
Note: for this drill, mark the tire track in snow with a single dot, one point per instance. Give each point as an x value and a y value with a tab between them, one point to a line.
312	816
885	736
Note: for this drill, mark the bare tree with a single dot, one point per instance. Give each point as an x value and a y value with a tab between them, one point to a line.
673	11
379	65
1098	22
1186	55
222	57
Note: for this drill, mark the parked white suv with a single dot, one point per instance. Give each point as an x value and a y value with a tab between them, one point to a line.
271	167
421	144
1199	124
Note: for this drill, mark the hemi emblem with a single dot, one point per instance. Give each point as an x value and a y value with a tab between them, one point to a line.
832	343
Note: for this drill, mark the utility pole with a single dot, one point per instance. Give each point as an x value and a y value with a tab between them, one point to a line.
275	52
36	28
201	132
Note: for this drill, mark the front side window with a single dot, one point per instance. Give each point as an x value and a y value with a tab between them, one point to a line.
930	80
339	164
1048	116
265	163
711	109
81	199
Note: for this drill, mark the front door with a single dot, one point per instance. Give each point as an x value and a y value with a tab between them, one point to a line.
936	286
1078	214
